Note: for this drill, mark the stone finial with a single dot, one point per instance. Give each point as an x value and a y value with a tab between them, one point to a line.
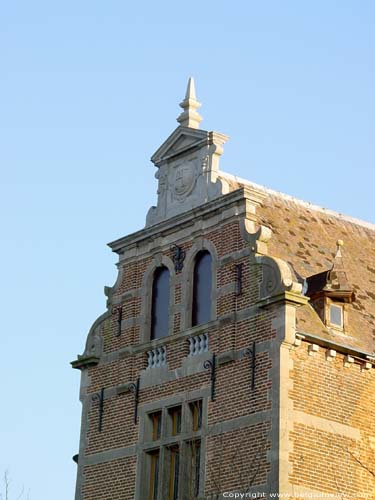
190	117
188	165
339	244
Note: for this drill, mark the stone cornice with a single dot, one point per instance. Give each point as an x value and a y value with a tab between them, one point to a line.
199	138
341	348
84	362
285	297
168	339
188	218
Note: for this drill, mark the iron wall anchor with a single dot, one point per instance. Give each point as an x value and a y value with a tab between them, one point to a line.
251	353
210	364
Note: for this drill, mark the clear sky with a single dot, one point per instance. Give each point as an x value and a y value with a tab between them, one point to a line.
88	92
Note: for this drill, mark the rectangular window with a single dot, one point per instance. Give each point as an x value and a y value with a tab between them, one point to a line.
155	419
193	467
171	451
153	484
175	420
174	465
336	316
196	415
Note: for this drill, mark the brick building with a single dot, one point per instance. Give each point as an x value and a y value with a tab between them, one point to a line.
236	353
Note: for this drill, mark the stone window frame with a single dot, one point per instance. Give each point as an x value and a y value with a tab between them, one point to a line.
146	294
146	446
328	302
161	291
187	282
341	305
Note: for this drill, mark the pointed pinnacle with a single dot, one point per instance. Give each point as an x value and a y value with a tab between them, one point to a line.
337	275
190	89
190	117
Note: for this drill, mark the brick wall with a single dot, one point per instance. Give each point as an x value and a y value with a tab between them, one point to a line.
112	480
234	397
328	444
334	451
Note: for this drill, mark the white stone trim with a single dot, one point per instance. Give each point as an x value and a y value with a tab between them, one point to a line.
330	354
198	344
326	425
366	366
313	348
348	361
146	294
187	278
157	357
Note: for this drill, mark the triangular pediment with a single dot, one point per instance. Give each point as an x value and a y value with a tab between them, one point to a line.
182	140
187	165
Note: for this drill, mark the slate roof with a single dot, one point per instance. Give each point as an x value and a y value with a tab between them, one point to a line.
305	236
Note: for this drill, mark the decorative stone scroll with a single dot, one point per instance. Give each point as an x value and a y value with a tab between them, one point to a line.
278	278
94	343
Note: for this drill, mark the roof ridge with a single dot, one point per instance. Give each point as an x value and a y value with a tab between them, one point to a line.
306	204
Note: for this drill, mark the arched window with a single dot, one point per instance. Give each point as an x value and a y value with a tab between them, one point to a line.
160	303
202	289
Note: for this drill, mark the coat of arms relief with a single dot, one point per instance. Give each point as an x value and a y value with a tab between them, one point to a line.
184	177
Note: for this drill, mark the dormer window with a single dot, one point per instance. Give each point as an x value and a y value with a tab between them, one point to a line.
336	316
330	293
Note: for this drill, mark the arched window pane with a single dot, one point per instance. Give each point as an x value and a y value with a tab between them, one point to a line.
160	303
202	289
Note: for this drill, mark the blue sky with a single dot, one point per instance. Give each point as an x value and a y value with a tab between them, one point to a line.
88	92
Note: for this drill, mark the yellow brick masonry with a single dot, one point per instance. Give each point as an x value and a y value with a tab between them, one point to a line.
333	436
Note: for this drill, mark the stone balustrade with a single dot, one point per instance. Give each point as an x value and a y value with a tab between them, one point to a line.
198	344
156	357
